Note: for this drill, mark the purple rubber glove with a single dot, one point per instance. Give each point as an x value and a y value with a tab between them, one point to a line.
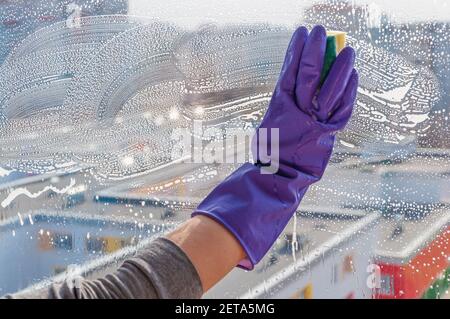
255	206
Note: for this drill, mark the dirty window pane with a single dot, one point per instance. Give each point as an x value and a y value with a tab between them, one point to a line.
95	97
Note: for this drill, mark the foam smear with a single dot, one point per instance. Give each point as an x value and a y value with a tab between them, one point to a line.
23	191
112	99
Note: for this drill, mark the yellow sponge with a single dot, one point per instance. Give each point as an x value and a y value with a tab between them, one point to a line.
340	38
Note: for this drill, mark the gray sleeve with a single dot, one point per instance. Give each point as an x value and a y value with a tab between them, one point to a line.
161	270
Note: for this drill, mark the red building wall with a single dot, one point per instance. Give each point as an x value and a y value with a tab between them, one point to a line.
413	279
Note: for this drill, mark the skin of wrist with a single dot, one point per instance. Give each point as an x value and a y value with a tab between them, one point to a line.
211	248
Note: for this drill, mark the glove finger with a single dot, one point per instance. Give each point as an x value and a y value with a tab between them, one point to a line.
335	84
343	113
311	63
289	71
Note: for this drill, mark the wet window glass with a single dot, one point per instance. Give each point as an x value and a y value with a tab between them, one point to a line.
97	99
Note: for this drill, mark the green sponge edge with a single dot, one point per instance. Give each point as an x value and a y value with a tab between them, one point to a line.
330	56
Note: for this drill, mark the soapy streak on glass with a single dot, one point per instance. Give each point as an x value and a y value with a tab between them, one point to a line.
109	98
23	191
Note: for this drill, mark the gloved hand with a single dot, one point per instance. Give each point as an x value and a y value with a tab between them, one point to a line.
255	206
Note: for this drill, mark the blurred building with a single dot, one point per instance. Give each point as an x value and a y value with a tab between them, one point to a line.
413	194
47	244
413	255
327	257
